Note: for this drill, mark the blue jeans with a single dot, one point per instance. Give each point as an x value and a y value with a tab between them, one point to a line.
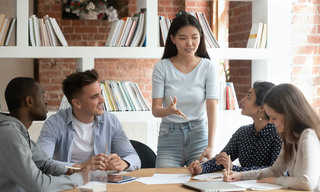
181	143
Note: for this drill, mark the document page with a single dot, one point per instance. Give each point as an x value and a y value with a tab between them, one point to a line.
253	185
209	177
165	179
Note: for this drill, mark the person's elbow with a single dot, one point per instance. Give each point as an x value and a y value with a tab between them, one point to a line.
155	112
308	183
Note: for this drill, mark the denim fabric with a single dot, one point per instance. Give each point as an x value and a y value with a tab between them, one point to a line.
181	143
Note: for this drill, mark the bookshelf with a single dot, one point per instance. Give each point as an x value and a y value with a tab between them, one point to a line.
271	63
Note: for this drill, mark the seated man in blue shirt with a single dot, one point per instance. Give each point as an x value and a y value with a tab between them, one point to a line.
78	136
24	166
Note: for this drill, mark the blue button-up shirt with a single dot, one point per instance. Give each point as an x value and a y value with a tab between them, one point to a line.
57	134
254	150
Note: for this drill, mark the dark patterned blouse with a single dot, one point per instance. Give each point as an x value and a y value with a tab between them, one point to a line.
255	151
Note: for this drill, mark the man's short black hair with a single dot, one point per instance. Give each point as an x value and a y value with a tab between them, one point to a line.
17	90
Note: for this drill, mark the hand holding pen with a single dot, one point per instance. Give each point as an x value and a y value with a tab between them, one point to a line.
174	108
224	159
229	175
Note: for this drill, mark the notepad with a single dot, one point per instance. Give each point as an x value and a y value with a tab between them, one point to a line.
93	186
253	185
211	186
103	176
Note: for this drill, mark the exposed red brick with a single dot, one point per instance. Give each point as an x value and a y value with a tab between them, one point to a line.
314	39
86	30
304	8
305	19
316	81
316	60
310	49
299	60
115	68
190	3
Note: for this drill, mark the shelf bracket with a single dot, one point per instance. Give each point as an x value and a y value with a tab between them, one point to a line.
85	63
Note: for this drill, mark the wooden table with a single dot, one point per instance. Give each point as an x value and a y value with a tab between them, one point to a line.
136	186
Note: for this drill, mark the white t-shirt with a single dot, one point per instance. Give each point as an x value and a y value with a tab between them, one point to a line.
82	147
191	89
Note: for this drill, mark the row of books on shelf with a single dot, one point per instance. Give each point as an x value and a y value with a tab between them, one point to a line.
209	37
7	25
228	98
119	96
45	32
258	35
164	25
128	31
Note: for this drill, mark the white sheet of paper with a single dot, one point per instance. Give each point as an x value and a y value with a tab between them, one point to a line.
253	185
93	186
165	179
209	177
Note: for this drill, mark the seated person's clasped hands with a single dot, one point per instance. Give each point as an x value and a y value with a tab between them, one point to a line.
114	162
105	163
79	135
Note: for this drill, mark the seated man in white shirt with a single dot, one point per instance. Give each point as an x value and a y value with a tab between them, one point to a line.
79	135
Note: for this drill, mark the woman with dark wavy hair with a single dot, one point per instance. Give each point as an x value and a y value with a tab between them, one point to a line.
299	127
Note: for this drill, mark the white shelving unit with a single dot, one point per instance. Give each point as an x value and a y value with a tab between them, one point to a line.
272	63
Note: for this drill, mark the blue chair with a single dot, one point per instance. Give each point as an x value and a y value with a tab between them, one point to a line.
146	154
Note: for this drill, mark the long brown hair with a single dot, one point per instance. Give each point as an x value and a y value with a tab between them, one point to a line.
299	115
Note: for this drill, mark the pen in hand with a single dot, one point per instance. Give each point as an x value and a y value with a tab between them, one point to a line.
172	102
228	168
207	160
73	168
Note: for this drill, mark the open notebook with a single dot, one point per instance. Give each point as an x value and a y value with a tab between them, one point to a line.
211	186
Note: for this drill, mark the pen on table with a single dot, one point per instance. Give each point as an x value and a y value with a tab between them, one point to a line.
212	178
74	168
219	177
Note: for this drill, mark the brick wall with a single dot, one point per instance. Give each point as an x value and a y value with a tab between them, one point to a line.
51	72
306	49
239	29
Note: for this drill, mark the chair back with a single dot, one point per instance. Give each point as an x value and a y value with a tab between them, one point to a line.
146	154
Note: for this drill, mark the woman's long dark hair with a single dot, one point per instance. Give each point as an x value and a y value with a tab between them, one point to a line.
299	115
180	21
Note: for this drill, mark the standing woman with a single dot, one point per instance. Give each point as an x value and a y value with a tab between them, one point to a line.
299	126
184	90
